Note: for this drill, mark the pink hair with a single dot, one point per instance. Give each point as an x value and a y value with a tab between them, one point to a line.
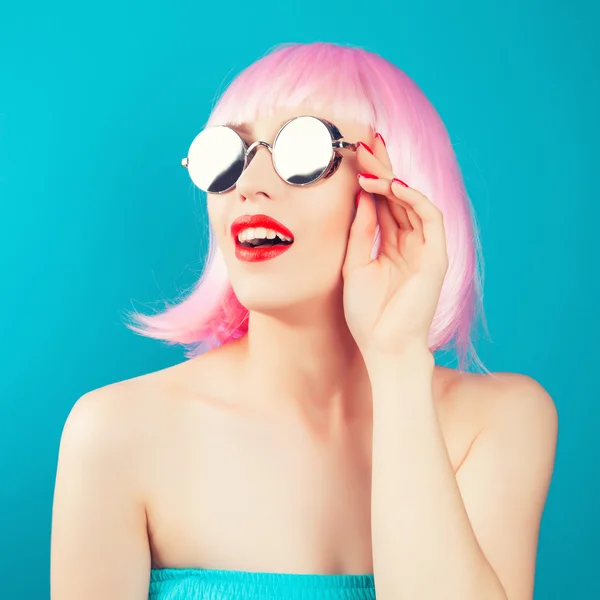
350	83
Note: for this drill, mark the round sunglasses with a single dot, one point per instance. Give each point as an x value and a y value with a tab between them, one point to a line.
306	149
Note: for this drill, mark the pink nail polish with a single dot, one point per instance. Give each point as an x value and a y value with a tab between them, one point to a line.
368	176
400	182
365	147
381	138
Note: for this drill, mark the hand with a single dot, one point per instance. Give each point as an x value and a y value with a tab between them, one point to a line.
390	301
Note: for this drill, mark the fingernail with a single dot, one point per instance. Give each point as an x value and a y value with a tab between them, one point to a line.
400	182
368	176
357	198
365	147
381	138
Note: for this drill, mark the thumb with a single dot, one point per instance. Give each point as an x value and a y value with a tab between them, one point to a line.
362	232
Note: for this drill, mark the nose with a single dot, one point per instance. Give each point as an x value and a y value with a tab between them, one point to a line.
259	178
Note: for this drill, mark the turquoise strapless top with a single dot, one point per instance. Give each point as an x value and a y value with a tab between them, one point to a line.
214	584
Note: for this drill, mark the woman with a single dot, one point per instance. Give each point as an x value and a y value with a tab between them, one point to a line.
310	447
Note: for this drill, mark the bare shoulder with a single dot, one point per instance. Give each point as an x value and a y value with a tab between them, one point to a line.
509	406
516	405
112	413
502	396
134	416
119	421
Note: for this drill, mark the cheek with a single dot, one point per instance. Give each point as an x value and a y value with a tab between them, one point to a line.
334	228
217	216
330	230
339	207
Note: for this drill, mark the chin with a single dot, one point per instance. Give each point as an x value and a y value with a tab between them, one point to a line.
258	298
284	298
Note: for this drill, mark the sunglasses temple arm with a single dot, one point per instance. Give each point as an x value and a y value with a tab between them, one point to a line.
345	145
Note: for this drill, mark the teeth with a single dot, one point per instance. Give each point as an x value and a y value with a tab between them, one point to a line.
261	233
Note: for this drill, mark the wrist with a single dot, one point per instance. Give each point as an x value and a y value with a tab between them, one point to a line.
402	382
416	355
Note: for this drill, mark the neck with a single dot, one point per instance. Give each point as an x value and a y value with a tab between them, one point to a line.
309	360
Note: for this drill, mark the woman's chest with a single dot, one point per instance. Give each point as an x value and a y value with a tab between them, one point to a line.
267	499
234	494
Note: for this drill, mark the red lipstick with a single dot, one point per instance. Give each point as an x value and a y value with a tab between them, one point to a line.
258	253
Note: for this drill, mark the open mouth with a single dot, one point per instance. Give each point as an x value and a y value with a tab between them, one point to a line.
260	237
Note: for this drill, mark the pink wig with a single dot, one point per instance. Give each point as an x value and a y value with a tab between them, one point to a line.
355	84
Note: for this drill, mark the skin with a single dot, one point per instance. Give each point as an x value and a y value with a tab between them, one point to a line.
258	456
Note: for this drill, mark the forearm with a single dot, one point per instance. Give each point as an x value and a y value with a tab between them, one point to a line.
423	543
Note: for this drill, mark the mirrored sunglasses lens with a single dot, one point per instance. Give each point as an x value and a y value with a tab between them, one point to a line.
302	151
216	159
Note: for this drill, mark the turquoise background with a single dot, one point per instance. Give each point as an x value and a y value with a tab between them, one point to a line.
98	104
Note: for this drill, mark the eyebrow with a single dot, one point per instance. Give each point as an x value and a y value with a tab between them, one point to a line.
240	128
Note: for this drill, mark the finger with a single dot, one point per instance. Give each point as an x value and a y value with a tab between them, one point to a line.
362	232
389	231
380	151
413	217
431	217
415	222
388	221
398	209
368	162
